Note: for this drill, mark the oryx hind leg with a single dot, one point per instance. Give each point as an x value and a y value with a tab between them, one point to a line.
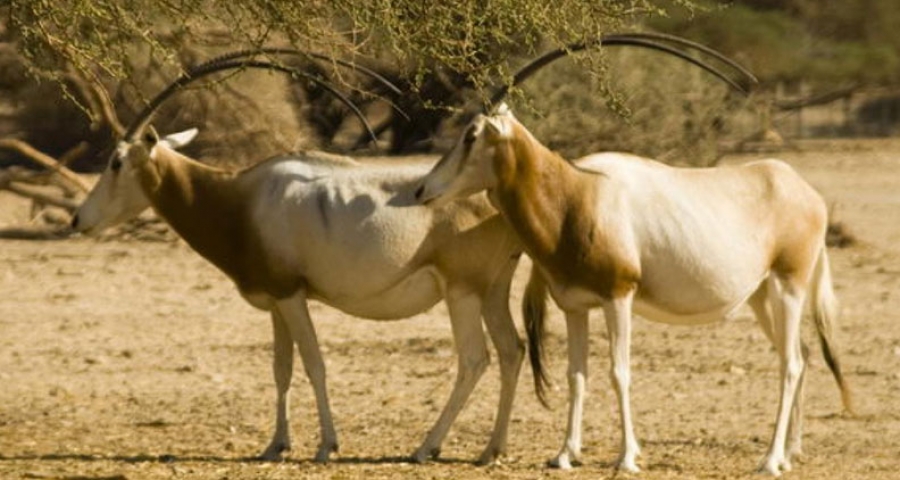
510	353
282	367
787	313
468	336
295	312
764	303
794	448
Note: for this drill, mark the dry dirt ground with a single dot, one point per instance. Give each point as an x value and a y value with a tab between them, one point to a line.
130	360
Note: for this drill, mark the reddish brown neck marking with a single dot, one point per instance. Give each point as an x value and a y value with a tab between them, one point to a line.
552	207
206	207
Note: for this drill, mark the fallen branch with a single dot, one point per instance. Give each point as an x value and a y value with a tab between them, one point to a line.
41	196
35	233
74	153
16	174
44	160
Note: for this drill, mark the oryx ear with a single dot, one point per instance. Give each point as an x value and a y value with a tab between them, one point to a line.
498	127
503	110
500	123
180	139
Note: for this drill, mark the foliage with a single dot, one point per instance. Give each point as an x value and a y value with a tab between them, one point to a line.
442	50
437	51
472	38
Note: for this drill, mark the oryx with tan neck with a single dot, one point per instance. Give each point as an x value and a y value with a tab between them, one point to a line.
316	226
680	246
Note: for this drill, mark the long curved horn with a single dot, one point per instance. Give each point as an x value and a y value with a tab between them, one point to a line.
300	53
681	41
277	51
219	65
649	41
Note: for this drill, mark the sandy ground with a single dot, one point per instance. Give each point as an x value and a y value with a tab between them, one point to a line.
139	361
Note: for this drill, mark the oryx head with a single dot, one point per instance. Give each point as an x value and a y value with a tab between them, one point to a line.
118	195
468	167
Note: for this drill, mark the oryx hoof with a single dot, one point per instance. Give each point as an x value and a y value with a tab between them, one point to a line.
274	452
490	456
424	454
562	462
796	454
772	467
628	466
324	452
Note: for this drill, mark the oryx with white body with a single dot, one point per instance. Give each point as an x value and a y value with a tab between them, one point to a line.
307	226
317	226
680	246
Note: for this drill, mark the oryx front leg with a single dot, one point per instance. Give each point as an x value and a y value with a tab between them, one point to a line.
282	367
787	335
295	313
618	323
577	334
510	353
468	336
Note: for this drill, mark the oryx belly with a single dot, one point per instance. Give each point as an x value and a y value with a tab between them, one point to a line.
663	299
412	294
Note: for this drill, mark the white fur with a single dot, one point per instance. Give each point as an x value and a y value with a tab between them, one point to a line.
180	139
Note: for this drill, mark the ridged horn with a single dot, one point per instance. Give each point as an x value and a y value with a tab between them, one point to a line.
665	37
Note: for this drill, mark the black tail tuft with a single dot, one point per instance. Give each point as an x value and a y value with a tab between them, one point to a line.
534	311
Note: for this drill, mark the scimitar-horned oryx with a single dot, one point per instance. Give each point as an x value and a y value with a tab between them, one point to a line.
676	245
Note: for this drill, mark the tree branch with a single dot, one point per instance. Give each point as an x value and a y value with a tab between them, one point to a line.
42	196
44	160
98	100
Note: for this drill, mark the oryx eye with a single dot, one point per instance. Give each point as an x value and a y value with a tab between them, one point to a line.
470	136
115	165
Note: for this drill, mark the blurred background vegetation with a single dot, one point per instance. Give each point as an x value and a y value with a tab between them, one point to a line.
821	43
70	71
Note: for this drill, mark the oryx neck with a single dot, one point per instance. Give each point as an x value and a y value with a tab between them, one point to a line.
533	178
176	184
201	203
545	199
